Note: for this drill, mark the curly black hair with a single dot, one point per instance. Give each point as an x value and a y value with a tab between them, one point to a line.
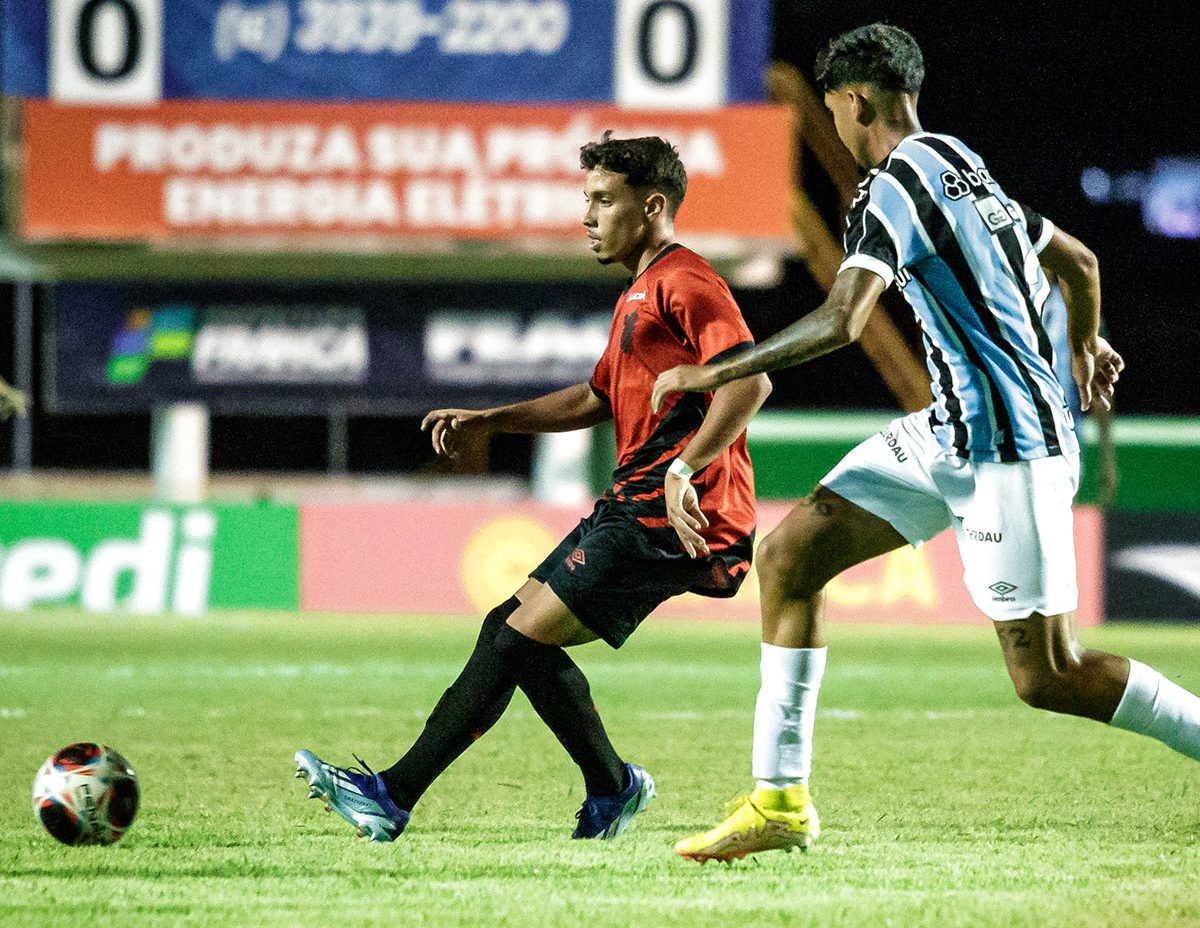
878	54
646	162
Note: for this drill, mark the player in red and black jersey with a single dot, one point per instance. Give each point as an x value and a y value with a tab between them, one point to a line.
678	307
679	516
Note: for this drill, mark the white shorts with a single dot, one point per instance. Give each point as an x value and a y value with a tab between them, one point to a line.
1013	521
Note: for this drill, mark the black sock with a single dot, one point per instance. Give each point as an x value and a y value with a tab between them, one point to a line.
559	693
472	705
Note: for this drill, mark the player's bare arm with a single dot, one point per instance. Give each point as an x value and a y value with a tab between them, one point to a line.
732	408
575	407
837	322
1094	363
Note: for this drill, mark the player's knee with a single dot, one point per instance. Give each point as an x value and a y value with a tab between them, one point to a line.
785	564
1047	691
1031	690
495	620
499	615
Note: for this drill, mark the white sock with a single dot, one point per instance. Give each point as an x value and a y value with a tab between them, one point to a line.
1154	706
784	715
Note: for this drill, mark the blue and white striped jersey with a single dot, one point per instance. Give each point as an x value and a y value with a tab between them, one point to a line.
932	219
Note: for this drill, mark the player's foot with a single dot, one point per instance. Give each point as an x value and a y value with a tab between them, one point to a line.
608	816
360	798
766	820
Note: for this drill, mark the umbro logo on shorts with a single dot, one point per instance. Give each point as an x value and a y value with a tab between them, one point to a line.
1002	588
577	557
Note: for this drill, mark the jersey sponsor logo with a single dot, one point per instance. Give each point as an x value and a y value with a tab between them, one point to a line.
953	186
957	184
994	537
993	213
634	297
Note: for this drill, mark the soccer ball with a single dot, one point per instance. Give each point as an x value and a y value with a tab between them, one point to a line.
85	794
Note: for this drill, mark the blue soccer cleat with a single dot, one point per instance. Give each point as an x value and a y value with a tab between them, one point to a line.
607	816
360	798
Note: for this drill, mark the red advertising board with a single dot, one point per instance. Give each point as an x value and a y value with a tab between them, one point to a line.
464	558
203	169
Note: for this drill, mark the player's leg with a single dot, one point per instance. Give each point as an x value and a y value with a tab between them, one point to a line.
1052	671
879	497
471	705
532	647
477	698
824	535
1017	548
379	805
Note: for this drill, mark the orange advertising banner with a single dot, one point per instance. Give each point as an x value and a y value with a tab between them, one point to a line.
206	169
464	558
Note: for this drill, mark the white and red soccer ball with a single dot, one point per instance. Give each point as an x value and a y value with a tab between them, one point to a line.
86	793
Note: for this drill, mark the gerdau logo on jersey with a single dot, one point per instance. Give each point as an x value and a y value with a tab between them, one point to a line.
167	566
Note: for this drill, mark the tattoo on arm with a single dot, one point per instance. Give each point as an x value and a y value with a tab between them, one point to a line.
809	337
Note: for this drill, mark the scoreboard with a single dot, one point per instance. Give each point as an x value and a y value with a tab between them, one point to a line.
661	54
288	120
384	125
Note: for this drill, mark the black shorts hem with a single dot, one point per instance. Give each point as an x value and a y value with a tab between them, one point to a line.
599	629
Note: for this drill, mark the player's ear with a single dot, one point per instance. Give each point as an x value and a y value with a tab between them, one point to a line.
862	108
656	205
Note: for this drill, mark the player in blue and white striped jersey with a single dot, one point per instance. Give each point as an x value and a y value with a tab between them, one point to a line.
994	456
931	219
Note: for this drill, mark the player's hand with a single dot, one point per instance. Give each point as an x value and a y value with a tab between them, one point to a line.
1097	368
686	378
11	400
450	429
683	512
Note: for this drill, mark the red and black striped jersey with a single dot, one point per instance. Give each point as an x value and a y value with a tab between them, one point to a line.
677	311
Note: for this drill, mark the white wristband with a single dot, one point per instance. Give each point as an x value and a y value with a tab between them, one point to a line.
680	469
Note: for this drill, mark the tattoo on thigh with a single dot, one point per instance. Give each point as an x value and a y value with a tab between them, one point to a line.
1018	637
818	499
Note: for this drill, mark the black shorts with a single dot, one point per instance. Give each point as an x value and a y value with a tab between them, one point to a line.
611	575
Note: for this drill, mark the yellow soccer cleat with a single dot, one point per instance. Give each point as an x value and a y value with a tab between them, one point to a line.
766	820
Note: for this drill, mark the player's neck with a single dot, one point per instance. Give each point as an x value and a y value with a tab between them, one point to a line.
889	133
654	247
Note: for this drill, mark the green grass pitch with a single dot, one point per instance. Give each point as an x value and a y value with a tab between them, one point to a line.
945	802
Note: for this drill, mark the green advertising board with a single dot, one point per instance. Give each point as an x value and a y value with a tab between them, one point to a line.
1157	458
148	558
